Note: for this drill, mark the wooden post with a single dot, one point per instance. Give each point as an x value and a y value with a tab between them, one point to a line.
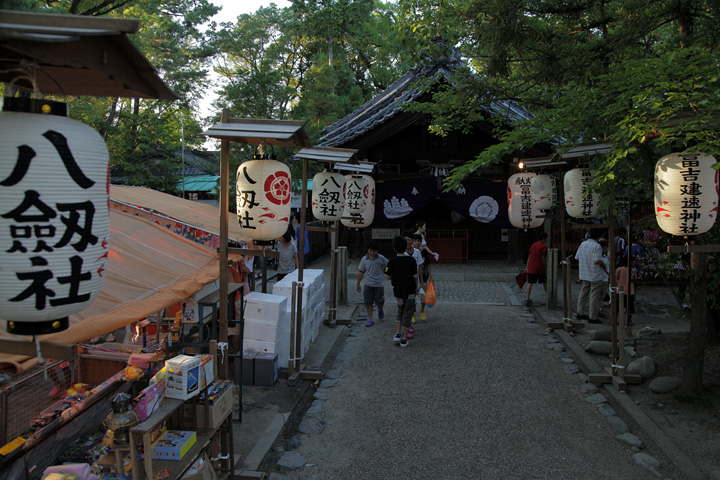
222	250
552	270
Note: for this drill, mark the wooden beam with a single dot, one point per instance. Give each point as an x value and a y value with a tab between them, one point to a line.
57	351
253	252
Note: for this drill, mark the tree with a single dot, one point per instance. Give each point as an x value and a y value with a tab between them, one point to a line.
641	76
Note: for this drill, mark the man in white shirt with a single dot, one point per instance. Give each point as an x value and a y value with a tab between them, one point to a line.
592	271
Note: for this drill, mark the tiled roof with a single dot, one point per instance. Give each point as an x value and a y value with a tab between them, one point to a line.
407	89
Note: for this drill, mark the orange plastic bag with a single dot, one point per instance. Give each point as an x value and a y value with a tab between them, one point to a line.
430	295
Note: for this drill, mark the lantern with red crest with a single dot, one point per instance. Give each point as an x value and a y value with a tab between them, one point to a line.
686	193
366	217
262	191
543	192
54	220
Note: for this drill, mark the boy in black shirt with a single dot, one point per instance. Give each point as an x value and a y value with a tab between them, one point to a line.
402	271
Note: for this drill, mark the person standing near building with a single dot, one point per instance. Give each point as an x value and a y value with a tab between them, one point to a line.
372	269
591	272
288	259
402	272
415	253
537	266
420	228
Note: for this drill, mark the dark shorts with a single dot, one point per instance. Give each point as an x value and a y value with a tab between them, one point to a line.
537	278
374	295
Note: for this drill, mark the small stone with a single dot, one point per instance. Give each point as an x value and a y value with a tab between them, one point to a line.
648	331
596	398
606	410
278	476
327	383
664	384
567	360
311	425
603	336
582	378
315	408
294	443
558	347
571	368
292	460
322	394
551	340
599	347
643	366
645	460
588	388
334	373
630	439
618	424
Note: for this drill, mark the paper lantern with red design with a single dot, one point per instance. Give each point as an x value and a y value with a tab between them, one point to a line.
686	193
521	212
262	190
580	202
355	194
328	196
542	192
54	219
364	219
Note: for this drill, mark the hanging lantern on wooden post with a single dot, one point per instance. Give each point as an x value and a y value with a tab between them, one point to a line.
355	194
542	192
521	211
366	217
580	202
54	220
686	193
328	196
262	192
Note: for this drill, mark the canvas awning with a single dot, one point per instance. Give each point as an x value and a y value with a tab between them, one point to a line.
149	268
199	215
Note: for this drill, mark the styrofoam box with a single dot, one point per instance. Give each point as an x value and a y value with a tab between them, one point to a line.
312	279
257	346
261	332
286	292
265	307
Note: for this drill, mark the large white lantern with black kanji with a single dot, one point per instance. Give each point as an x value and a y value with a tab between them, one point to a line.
355	194
542	192
521	212
686	193
54	220
328	196
364	219
262	190
580	202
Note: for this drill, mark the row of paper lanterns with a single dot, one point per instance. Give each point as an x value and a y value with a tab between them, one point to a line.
54	223
686	195
263	190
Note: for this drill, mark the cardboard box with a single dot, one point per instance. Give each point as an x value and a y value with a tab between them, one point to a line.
173	444
212	415
182	378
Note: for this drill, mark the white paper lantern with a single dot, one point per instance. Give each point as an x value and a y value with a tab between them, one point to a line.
542	192
328	196
686	193
367	216
521	212
263	189
54	220
355	194
579	201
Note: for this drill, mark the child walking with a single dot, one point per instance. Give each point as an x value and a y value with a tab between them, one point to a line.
402	272
425	274
371	268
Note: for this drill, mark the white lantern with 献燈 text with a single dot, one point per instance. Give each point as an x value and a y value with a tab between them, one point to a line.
54	220
364	219
521	211
328	196
263	189
355	194
542	192
580	202
686	193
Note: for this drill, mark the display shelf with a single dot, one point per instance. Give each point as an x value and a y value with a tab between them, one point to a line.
151	466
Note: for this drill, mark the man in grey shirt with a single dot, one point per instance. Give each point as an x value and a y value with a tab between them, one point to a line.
372	269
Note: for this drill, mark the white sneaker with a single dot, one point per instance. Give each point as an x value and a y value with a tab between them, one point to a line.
404	343
397	338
